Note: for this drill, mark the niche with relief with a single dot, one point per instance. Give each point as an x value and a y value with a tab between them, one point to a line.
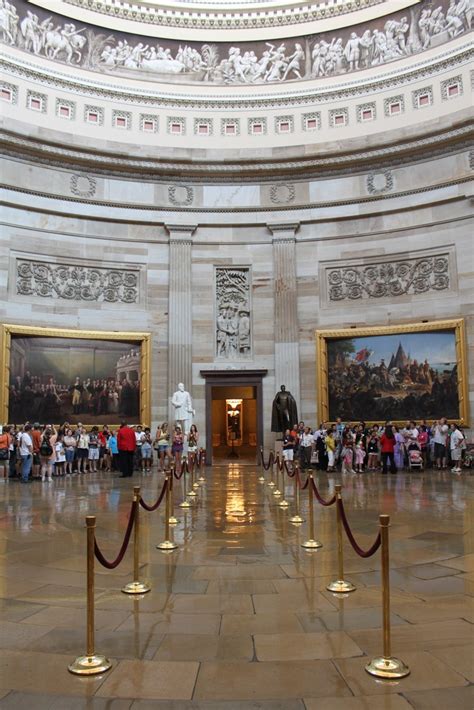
233	339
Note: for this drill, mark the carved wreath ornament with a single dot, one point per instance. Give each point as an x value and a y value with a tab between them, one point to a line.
394	279
76	283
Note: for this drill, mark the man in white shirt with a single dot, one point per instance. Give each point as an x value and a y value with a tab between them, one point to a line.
26	453
440	433
306	447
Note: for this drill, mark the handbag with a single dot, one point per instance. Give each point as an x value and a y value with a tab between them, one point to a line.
3	454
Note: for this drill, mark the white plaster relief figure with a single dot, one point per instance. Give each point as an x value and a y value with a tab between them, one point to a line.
183	406
233	335
329	57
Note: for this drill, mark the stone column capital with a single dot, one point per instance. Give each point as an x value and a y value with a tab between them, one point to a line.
180	232
283	231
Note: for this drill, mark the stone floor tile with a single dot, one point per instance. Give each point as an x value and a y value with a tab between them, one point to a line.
458	698
55	616
350	619
427	672
185	647
277	603
212	604
239	572
29	671
36	701
266	681
460	658
416	636
165	680
304	647
464	564
15	610
242	586
235	624
367	702
159	624
17	636
283	704
114	644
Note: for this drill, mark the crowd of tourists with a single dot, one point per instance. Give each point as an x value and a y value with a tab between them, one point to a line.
358	448
41	452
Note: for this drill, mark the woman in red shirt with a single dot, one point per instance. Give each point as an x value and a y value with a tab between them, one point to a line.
387	446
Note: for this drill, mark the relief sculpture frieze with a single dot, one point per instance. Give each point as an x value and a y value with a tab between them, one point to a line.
376	42
233	323
76	283
388	279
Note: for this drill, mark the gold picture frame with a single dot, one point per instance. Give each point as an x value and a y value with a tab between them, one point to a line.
139	339
325	337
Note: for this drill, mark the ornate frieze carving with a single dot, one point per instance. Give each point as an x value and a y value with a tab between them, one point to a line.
76	283
233	322
307	57
388	279
181	195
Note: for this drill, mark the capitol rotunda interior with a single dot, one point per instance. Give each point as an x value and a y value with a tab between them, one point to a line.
237	269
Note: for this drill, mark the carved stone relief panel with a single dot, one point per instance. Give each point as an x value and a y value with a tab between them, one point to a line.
233	313
76	283
387	277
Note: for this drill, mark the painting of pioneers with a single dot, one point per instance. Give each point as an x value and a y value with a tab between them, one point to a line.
53	380
394	375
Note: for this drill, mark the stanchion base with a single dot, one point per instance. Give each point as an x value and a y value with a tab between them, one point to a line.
192	493
195	484
173	520
311	544
387	668
277	493
284	504
340	586
167	545
297	519
136	588
261	479
185	504
201	479
271	484
90	665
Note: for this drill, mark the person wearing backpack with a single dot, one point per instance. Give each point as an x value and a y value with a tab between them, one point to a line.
46	452
4	452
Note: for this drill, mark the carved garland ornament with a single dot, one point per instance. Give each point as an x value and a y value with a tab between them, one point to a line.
379	182
398	278
76	283
282	193
181	195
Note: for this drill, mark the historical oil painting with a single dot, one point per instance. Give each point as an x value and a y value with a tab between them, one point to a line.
95	379
378	374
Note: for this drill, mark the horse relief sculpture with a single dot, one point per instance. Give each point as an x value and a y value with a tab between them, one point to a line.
310	57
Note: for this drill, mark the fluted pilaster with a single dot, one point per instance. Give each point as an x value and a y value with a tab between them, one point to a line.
180	307
287	360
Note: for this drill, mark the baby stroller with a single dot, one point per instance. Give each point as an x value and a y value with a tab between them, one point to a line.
415	459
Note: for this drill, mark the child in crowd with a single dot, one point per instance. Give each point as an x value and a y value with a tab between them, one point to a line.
60	455
373	452
146	450
359	456
177	447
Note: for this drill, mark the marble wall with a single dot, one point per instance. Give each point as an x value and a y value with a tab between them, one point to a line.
173	252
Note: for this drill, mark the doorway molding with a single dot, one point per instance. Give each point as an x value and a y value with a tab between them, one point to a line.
233	378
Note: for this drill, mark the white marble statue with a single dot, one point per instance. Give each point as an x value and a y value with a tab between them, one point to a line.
183	408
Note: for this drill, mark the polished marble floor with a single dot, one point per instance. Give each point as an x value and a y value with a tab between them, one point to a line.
238	617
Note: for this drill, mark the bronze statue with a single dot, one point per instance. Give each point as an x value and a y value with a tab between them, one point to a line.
284	411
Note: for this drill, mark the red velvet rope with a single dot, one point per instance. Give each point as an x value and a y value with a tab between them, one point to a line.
179	475
306	483
156	505
362	553
271	458
331	501
100	557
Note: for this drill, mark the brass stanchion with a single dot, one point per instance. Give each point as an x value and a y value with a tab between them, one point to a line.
386	666
173	520
296	518
311	543
192	493
184	503
261	478
271	482
283	503
91	663
276	490
202	463
168	543
136	587
340	585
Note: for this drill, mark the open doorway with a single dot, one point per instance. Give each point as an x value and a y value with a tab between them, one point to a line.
234	413
234	423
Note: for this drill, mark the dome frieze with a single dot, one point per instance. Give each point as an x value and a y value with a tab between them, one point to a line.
288	61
